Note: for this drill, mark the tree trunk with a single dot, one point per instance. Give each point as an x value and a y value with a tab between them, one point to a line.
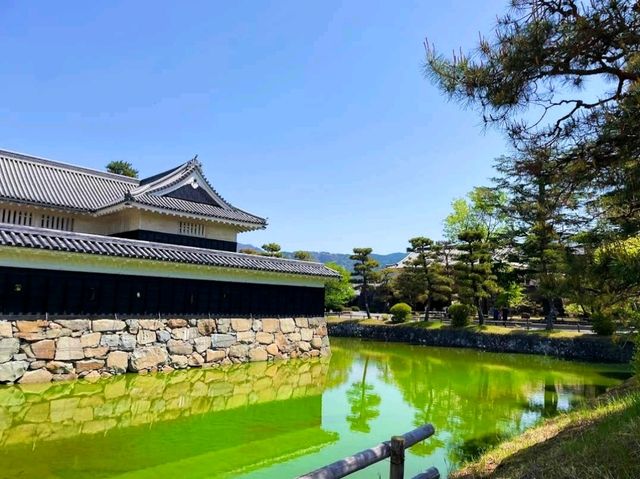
427	309
366	300
551	315
480	313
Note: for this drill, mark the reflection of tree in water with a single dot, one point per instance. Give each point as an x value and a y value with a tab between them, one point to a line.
466	401
339	367
473	399
550	407
364	403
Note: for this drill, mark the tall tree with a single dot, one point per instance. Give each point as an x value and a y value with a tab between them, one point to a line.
474	279
529	77
481	210
122	168
364	266
338	292
427	266
272	249
541	206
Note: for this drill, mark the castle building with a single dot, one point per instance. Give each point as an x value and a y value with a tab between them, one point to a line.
76	241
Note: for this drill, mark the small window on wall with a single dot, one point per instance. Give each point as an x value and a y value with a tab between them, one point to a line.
56	222
16	217
191	229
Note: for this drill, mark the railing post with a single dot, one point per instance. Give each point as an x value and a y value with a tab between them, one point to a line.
396	469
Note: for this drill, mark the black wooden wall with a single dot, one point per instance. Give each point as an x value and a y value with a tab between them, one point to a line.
34	291
183	240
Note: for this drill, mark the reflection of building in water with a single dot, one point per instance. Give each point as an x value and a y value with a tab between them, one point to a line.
197	423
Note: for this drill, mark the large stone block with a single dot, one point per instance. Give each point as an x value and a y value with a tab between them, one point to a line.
239	351
127	342
8	347
163	335
90	340
240	324
45	349
151	324
89	365
59	367
12	371
179	347
177	323
148	357
99	352
273	349
316	343
246	337
270	325
6	330
110	340
185	334
287	325
75	324
258	354
264	338
306	334
179	361
223	325
31	326
118	361
302	322
214	356
146	336
196	360
36	377
38	335
206	326
107	325
57	331
222	340
202	343
68	349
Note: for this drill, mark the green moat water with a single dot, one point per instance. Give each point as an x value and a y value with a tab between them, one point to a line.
280	420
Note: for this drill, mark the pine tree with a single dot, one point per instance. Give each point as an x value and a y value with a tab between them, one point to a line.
474	278
541	207
427	266
272	249
364	267
122	168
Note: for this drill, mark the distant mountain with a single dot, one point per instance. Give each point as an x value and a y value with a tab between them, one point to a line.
340	258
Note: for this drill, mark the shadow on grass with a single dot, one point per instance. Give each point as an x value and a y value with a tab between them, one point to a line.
596	443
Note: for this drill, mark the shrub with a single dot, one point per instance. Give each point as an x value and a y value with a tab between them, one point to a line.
400	312
603	324
355	308
460	314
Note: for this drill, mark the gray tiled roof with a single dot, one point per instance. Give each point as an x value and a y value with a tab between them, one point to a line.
32	180
54	240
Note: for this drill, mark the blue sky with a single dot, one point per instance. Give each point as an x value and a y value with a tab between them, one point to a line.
313	114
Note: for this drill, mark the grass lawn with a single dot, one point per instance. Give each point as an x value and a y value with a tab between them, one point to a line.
601	440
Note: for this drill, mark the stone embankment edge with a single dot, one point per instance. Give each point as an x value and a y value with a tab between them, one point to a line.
38	351
590	349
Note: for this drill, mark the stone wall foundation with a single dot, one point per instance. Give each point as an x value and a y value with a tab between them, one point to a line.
34	351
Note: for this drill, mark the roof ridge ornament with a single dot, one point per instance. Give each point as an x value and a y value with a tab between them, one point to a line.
194	161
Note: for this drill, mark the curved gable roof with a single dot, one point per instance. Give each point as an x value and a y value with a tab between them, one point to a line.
31	180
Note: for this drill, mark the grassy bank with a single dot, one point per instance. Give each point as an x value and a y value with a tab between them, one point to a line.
601	440
436	324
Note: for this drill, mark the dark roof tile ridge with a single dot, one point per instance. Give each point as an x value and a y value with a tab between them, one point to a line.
67	166
74	235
